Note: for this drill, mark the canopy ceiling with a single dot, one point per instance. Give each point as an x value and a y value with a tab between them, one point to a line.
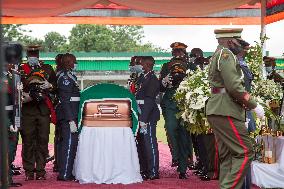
158	11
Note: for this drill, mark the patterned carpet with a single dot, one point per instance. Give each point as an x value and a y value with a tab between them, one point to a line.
169	178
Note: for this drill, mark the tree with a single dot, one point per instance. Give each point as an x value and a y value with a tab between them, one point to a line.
108	38
13	32
53	42
91	38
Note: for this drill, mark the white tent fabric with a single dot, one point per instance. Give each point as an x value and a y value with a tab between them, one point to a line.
177	8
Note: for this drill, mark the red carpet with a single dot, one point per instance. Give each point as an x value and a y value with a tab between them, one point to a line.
169	178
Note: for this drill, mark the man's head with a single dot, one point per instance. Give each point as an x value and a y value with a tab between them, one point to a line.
269	63
33	54
148	63
178	49
231	38
68	62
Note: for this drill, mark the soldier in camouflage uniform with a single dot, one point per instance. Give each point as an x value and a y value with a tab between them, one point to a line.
225	110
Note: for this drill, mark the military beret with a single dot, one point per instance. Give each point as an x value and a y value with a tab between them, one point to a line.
178	45
33	48
228	33
269	61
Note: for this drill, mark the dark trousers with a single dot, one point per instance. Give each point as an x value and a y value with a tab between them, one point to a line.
178	137
35	135
67	150
148	151
57	139
13	142
202	152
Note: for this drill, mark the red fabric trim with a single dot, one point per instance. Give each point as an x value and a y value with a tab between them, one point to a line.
216	161
245	151
272	3
27	69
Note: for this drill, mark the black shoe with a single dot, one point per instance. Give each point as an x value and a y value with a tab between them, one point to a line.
174	163
15	184
55	169
182	176
144	176
29	177
49	158
16	172
191	166
198	172
205	177
40	178
153	177
13	167
66	179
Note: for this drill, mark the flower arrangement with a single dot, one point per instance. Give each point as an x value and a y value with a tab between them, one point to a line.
191	97
265	91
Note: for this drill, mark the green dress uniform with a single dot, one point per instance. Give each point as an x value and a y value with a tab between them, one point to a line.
13	136
178	137
35	129
226	114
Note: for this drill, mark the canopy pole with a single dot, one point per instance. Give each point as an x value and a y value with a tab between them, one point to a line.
263	33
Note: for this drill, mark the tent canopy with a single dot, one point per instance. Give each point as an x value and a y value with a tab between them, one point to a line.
136	11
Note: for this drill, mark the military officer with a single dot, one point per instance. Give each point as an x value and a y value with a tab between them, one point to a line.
149	115
36	115
57	136
178	138
272	74
270	65
12	130
67	115
226	107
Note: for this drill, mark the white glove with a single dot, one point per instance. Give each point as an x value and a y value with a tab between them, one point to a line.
26	97
167	80
13	129
143	127
45	85
259	111
73	126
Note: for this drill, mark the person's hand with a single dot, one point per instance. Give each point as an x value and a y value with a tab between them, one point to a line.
26	97
259	111
45	85
13	129
143	127
167	80
73	126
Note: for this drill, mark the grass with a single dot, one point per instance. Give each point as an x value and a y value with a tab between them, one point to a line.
161	134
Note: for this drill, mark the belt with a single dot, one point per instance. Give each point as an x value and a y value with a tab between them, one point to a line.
218	90
140	101
9	108
75	99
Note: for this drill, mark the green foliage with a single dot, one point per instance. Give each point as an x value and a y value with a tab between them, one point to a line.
254	58
90	38
13	32
108	39
53	42
86	37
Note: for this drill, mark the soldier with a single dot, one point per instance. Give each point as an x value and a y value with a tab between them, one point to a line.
225	110
67	115
270	65
12	129
149	115
178	138
36	112
57	136
272	74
